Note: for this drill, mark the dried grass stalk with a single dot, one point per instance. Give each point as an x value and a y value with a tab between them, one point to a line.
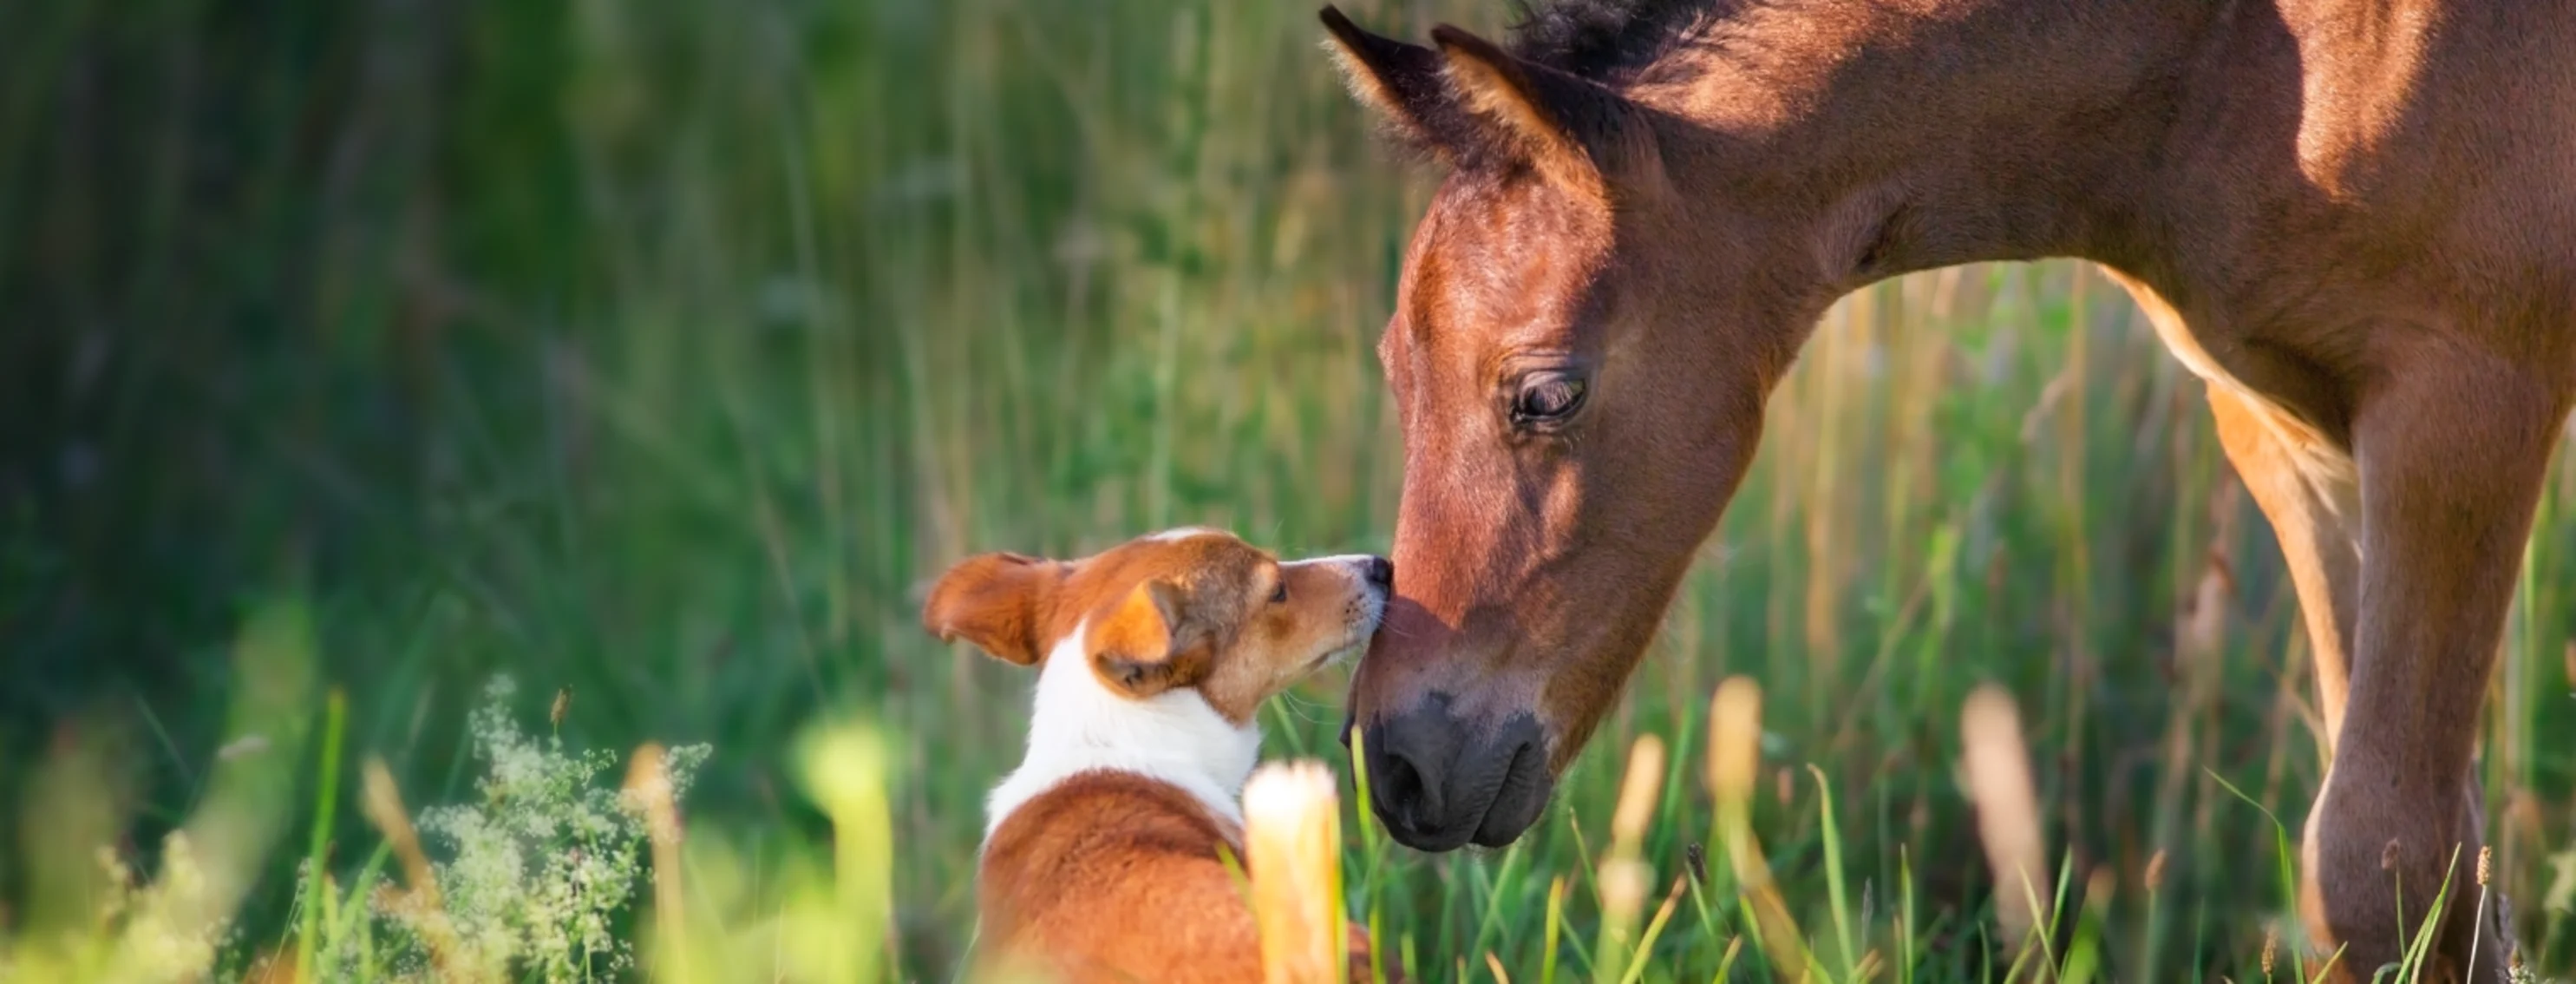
648	786
1998	772
1734	764
1292	847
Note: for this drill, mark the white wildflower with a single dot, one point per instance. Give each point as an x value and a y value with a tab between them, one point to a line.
540	866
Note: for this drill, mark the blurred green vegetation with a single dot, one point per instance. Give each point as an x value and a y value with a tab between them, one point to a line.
662	351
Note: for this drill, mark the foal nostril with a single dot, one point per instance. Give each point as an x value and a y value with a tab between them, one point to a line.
1380	572
1414	771
1402	790
1522	796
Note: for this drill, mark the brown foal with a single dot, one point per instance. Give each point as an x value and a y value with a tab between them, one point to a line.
2355	219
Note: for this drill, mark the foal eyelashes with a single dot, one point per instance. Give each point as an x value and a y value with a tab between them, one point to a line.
1547	396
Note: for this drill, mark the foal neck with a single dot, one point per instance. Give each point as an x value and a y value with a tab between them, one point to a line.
1969	129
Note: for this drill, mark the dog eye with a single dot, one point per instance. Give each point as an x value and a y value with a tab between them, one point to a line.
1546	398
1279	594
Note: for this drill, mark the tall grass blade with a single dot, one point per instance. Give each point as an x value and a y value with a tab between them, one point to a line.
1834	891
317	851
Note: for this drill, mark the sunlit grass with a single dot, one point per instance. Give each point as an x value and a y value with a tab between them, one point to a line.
542	877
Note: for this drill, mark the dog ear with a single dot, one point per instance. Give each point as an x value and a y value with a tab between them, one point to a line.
995	601
1148	642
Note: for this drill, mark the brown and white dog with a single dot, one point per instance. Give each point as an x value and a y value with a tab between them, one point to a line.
1101	852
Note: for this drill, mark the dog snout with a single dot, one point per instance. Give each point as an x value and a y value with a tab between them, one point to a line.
1376	588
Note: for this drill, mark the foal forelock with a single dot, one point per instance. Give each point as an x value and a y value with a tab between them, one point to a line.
1612	41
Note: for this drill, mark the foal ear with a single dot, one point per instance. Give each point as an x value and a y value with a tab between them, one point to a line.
1572	129
994	601
1401	81
1147	642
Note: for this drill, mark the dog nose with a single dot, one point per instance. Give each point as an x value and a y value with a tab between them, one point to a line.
1380	571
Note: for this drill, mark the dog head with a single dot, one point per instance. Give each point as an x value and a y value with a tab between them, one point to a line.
1189	609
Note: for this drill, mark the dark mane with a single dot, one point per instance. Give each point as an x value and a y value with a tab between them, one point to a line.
1607	40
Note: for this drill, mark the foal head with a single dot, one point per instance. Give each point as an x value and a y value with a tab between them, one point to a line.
1579	354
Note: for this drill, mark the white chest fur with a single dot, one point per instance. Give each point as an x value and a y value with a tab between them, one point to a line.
1080	725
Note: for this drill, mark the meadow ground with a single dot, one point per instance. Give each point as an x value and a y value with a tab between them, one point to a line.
653	356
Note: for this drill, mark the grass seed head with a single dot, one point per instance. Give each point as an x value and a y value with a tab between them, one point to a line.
1292	846
1997	770
1638	791
1623	890
1734	738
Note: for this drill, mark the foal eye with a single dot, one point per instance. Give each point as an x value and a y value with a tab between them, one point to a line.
1547	397
1279	595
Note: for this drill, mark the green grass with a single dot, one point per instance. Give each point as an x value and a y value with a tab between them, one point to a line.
662	352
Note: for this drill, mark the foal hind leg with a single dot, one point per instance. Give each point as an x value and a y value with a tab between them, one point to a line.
2451	451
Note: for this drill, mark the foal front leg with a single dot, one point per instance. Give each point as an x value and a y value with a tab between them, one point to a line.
2451	452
